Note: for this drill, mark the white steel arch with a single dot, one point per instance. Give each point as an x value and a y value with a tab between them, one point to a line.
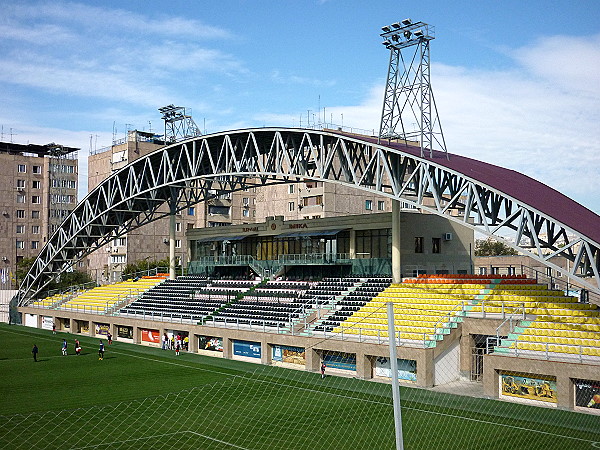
183	173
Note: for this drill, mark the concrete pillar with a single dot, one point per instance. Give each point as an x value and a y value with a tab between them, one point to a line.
266	353
194	342
313	360
72	325
565	392
364	366
466	345
172	218
425	368
396	267
352	243
91	328
136	335
227	347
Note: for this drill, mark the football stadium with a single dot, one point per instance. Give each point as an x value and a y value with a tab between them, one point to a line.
362	331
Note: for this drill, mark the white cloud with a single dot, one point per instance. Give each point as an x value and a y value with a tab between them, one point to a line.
572	63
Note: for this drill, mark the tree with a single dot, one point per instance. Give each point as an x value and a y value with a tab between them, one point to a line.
492	247
64	281
142	266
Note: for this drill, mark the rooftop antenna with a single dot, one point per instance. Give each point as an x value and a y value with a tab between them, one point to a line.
408	94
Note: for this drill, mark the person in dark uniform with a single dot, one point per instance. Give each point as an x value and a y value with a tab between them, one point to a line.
101	351
323	367
34	351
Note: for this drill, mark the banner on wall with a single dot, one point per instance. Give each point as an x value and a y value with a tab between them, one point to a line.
287	354
246	348
587	394
152	336
124	332
47	323
102	328
407	369
531	387
84	326
339	360
212	343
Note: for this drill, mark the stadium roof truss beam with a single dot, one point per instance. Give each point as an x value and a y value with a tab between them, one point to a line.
186	173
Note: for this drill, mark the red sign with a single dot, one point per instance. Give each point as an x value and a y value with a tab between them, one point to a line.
151	336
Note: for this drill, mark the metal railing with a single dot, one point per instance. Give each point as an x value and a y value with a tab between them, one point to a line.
551	355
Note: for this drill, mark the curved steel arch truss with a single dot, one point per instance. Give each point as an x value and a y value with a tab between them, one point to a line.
193	171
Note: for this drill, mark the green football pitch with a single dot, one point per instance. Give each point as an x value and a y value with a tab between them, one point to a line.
140	397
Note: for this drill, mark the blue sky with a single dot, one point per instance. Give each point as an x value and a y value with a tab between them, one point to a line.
516	83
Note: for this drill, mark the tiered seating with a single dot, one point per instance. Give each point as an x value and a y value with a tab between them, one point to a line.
322	292
274	304
188	298
48	302
426	308
354	302
99	299
279	304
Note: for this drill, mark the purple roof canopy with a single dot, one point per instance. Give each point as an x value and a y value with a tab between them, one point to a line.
517	185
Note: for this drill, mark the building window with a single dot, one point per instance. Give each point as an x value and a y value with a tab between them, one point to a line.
37	169
369	205
22	168
35	244
511	271
20	229
178	227
20	183
291	206
246	213
36	184
483	271
380	205
36	199
549	271
35	229
35	214
435	245
20	244
177	243
246	201
20	213
117	259
20	198
419	244
120	242
291	189
191	211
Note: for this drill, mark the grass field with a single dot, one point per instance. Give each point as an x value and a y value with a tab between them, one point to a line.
140	397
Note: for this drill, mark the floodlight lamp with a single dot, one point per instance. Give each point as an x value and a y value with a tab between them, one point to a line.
395	38
396	25
407	35
386	43
419	33
406	22
386	29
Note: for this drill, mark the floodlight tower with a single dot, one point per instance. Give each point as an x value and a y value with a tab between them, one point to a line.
178	124
408	97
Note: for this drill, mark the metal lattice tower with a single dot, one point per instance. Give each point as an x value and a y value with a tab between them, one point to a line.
178	124
409	110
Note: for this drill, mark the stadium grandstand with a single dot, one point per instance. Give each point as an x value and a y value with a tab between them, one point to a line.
356	296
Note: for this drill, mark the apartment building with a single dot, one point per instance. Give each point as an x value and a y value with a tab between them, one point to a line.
38	189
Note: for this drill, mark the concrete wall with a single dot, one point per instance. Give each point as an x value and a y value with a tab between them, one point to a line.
445	363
